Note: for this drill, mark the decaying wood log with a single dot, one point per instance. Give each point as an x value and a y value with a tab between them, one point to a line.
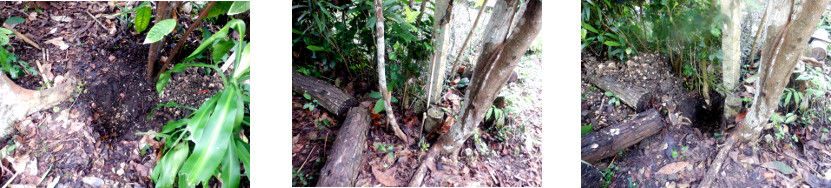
328	96
344	160
634	96
607	142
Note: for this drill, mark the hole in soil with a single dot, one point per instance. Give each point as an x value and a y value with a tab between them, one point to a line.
709	120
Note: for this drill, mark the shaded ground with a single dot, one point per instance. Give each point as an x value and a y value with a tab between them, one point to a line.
684	151
91	139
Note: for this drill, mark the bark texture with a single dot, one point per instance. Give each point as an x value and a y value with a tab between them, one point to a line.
344	160
328	96
598	145
441	36
493	68
17	102
163	11
732	55
778	60
634	96
382	78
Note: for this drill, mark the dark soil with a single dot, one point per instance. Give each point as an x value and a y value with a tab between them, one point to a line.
93	136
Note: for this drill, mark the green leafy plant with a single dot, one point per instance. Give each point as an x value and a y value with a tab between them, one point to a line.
309	105
389	149
214	129
615	99
9	62
608	173
379	104
161	29
585	129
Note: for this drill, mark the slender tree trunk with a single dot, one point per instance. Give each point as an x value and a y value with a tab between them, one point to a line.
777	65
163	11
493	68
382	78
731	47
441	36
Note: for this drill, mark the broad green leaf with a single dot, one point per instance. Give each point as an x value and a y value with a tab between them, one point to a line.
307	96
4	61
782	167
244	64
230	166
239	7
200	117
142	18
585	130
15	20
221	48
244	154
488	115
790	119
4	39
6	31
393	99
167	168
611	43
222	33
379	106
172	125
589	27
315	48
220	7
169	104
375	95
582	34
609	93
159	30
212	145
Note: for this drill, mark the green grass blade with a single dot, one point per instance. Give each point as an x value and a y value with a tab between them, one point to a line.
159	30
244	154
200	117
212	145
244	64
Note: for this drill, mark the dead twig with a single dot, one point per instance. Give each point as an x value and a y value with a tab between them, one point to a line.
21	36
96	20
307	159
42	75
11	179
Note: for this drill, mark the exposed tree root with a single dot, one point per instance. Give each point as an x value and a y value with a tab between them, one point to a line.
17	102
715	167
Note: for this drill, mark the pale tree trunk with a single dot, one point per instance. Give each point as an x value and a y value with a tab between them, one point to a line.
778	60
731	47
441	36
493	68
782	49
382	78
17	102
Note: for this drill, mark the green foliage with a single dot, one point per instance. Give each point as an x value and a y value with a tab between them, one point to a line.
142	18
615	99
327	37
379	104
608	173
214	129
159	30
585	129
239	7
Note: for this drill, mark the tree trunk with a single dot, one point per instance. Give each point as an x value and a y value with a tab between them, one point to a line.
16	102
780	54
598	145
329	97
493	68
382	78
441	36
163	11
730	44
344	160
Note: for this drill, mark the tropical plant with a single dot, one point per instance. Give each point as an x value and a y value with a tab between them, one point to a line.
210	141
9	62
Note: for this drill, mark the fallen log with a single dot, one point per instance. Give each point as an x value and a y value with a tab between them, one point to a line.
328	96
607	142
634	96
344	160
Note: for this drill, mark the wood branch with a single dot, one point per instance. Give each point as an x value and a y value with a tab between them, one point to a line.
344	160
758	34
382	79
607	142
464	44
421	11
328	96
21	36
634	96
184	38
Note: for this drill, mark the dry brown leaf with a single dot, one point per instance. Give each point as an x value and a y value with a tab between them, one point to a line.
672	168
386	178
58	42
